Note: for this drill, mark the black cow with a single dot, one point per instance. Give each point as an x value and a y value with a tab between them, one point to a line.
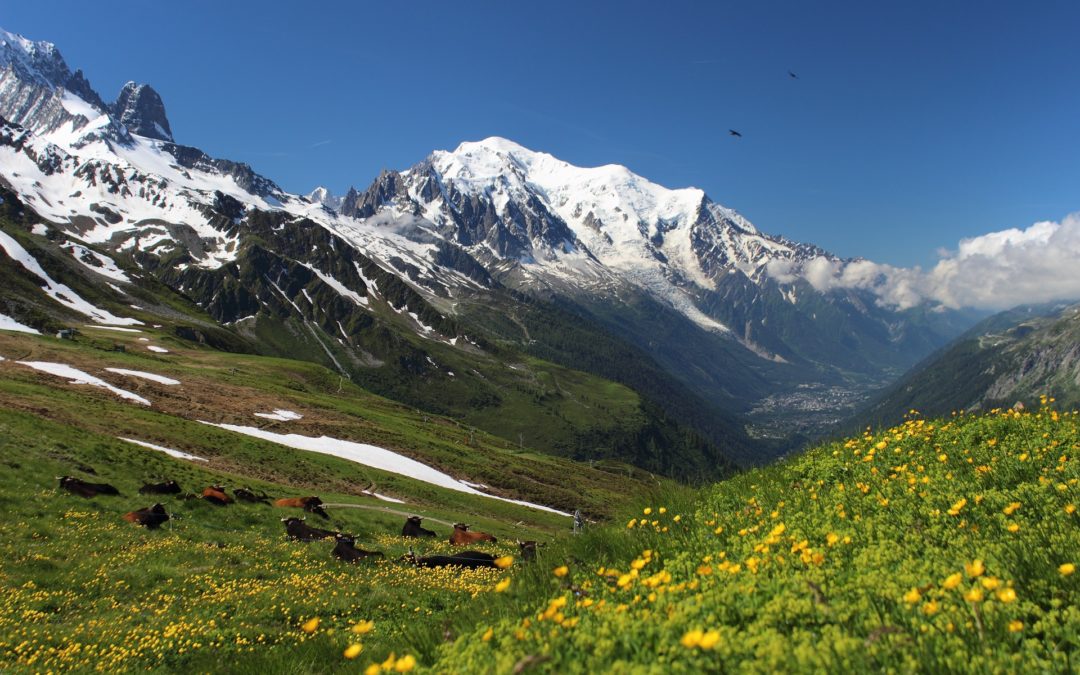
84	489
169	487
528	550
296	528
469	559
412	528
151	517
245	495
346	550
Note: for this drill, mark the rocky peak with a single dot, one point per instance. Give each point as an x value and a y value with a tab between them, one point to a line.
139	108
38	62
322	195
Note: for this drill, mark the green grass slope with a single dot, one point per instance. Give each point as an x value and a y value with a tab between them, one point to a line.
940	546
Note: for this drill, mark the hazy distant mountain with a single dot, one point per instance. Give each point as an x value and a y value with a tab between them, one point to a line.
1012	357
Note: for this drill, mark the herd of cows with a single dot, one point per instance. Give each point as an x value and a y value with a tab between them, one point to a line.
152	517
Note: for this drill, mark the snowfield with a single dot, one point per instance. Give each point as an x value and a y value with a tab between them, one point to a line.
76	376
375	457
57	291
167	451
280	415
160	379
7	323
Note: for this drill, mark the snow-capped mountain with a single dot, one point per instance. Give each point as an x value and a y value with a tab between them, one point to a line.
562	225
322	195
667	270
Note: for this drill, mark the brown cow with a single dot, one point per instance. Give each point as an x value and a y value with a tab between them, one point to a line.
215	494
461	536
84	489
346	550
310	504
151	517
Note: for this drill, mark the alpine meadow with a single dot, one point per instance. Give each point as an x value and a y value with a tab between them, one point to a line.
269	406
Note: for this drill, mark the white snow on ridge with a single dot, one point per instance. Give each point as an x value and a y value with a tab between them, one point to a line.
159	350
106	266
57	291
280	415
373	456
160	379
76	376
167	451
342	290
7	323
115	328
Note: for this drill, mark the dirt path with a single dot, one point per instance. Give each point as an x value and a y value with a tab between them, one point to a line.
386	509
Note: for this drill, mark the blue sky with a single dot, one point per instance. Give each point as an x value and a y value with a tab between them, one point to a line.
912	125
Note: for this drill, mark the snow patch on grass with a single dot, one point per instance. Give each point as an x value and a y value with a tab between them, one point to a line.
373	456
76	376
167	451
160	379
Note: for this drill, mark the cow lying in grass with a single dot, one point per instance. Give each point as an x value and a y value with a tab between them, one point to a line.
84	489
216	495
169	487
461	536
151	517
345	549
469	559
246	495
296	528
310	504
412	528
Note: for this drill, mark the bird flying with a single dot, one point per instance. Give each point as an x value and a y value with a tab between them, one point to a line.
793	75
734	133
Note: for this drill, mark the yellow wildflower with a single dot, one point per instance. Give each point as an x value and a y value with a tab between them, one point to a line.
311	625
488	634
1065	569
974	595
504	561
975	568
363	627
709	639
931	608
647	510
912	596
502	585
373	669
1016	626
990	583
405	663
692	638
952	581
561	571
1011	508
352	651
1006	595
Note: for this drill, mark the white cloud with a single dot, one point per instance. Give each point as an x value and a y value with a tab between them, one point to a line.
993	271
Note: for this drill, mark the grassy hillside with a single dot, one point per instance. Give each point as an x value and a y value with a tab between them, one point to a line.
944	546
